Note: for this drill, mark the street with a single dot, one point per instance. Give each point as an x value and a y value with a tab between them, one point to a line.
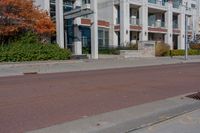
35	101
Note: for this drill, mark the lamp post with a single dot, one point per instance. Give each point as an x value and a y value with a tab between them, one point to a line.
186	37
186	30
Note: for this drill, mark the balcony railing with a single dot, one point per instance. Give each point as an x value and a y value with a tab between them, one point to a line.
134	21
156	24
158	2
117	21
176	3
175	25
190	27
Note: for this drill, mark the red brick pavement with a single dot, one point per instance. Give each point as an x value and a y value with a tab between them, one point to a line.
36	101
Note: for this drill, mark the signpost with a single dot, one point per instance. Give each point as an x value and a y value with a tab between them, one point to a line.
185	4
186	37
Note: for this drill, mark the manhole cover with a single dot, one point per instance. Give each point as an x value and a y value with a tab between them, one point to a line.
195	96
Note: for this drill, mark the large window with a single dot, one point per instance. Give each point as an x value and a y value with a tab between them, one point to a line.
177	3
67	5
85	1
103	37
68	24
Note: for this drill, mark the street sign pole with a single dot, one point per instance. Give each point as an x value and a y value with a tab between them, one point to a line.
186	37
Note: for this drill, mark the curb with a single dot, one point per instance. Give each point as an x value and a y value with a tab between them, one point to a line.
128	120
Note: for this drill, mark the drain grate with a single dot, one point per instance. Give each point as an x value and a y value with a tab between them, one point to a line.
195	96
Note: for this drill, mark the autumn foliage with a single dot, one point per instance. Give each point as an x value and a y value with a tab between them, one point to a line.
22	15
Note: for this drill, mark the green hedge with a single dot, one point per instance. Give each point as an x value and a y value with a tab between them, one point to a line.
116	50
109	51
29	49
182	52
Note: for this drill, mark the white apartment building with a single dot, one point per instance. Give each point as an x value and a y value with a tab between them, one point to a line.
120	22
158	20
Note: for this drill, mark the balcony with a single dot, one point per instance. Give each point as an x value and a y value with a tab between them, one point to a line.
134	21
156	24
190	27
176	4
175	25
157	2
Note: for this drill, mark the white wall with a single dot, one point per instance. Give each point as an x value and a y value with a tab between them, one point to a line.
107	12
43	4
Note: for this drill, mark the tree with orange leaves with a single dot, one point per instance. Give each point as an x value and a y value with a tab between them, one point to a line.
17	16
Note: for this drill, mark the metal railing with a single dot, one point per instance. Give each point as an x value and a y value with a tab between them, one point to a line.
158	2
156	24
176	3
175	25
190	27
134	21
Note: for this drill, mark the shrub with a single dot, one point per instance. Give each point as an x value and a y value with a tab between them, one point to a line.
86	50
182	52
195	46
132	46
162	49
116	50
28	48
107	50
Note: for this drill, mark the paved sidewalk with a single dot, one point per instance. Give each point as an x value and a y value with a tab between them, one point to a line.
137	119
188	123
11	69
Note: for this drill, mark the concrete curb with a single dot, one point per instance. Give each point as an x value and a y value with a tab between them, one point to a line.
127	120
43	67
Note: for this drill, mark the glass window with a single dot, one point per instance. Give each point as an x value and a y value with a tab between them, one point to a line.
103	37
106	37
85	1
100	38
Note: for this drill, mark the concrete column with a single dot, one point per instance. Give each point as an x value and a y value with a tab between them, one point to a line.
169	25
77	33
143	14
112	34
59	23
94	30
124	22
195	20
77	41
181	22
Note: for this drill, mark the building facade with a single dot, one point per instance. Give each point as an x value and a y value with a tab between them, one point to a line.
157	20
121	22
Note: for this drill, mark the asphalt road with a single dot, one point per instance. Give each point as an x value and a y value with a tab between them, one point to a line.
35	101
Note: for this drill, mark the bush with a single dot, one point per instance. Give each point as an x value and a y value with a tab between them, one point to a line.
110	51
116	50
86	50
132	46
182	52
162	49
28	48
195	46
